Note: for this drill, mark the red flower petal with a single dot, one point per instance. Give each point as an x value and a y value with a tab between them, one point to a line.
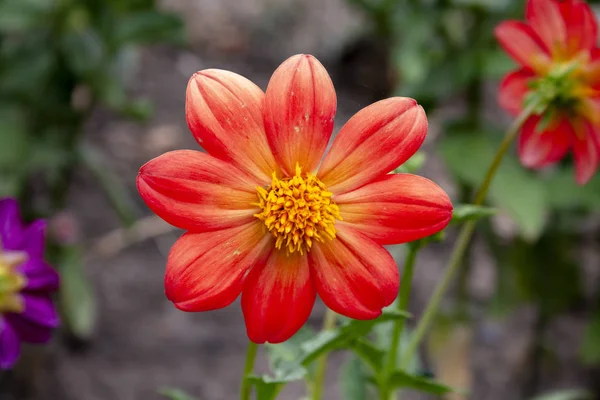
522	43
586	151
592	69
205	271
278	297
354	276
300	107
581	25
513	90
195	191
545	18
540	149
396	208
373	142
224	113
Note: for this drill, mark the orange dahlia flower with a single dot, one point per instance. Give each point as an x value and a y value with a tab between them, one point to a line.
268	219
560	72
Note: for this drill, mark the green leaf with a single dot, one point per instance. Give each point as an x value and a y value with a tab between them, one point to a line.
21	15
175	394
565	194
544	273
291	349
401	379
590	347
267	388
517	191
149	27
85	52
283	357
77	300
574	394
496	63
367	352
340	337
117	193
413	165
13	136
26	66
470	212
383	339
353	380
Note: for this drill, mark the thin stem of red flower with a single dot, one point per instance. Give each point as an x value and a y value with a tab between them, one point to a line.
462	241
317	392
401	305
246	389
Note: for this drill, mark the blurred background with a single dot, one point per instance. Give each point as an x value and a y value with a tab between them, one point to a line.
92	89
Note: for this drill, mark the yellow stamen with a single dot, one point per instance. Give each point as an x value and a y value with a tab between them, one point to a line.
11	281
297	211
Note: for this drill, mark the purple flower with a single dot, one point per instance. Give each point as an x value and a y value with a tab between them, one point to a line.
26	282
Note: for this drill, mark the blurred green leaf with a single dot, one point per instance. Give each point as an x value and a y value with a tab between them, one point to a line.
291	349
383	339
496	64
513	189
332	339
85	53
413	164
25	66
590	347
77	300
490	5
353	380
149	27
267	388
401	379
13	136
574	394
565	194
283	357
368	353
20	15
544	272
175	394
117	193
470	212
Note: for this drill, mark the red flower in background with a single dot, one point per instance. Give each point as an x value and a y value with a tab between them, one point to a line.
268	219
560	72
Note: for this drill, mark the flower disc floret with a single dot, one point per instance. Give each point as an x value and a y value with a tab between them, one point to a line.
297	211
11	282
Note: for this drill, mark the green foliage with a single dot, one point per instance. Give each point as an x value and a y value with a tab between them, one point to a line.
544	272
77	300
470	212
400	379
58	60
291	361
517	191
590	347
354	380
115	190
413	165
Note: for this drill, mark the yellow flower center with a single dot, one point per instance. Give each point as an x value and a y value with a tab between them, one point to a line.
297	211
11	282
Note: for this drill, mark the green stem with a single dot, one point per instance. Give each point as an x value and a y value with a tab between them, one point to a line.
462	241
328	323
246	389
401	305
